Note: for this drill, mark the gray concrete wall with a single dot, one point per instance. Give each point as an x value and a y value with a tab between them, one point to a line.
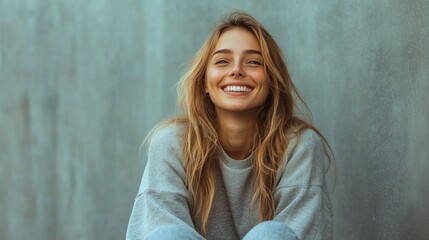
82	82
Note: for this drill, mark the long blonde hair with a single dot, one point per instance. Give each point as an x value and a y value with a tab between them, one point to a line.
277	119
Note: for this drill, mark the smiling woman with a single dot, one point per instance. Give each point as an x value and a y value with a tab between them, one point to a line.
239	163
235	77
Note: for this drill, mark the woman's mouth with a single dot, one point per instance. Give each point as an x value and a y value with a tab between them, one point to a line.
237	89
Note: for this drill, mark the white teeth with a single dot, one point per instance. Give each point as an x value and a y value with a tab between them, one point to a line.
237	89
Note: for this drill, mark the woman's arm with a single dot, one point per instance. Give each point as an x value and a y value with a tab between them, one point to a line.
162	199
302	200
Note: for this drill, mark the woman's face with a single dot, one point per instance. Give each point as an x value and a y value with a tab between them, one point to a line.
235	77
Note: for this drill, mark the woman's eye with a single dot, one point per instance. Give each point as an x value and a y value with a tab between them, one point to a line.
221	61
254	62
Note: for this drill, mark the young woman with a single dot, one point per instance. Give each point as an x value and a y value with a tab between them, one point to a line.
240	162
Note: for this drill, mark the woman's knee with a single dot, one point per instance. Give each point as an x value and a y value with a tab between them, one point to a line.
271	230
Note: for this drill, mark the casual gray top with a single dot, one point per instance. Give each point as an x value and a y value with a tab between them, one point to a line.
301	197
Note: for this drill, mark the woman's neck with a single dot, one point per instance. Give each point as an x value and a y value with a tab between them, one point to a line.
236	132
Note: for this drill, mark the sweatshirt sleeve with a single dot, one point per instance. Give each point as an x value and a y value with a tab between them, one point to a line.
302	200
162	198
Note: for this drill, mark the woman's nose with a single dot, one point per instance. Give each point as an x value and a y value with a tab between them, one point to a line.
237	71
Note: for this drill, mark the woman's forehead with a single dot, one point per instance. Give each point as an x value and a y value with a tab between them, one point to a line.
237	39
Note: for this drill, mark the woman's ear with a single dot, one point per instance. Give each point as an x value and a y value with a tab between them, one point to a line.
206	90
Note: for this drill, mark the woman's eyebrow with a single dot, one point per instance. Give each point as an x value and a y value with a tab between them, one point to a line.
222	51
229	51
252	51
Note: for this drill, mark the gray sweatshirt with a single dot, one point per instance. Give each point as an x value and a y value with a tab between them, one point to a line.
301	197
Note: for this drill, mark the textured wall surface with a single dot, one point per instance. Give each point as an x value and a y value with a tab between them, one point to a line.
82	82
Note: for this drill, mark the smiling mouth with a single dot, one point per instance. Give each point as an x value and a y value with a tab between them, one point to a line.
237	89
